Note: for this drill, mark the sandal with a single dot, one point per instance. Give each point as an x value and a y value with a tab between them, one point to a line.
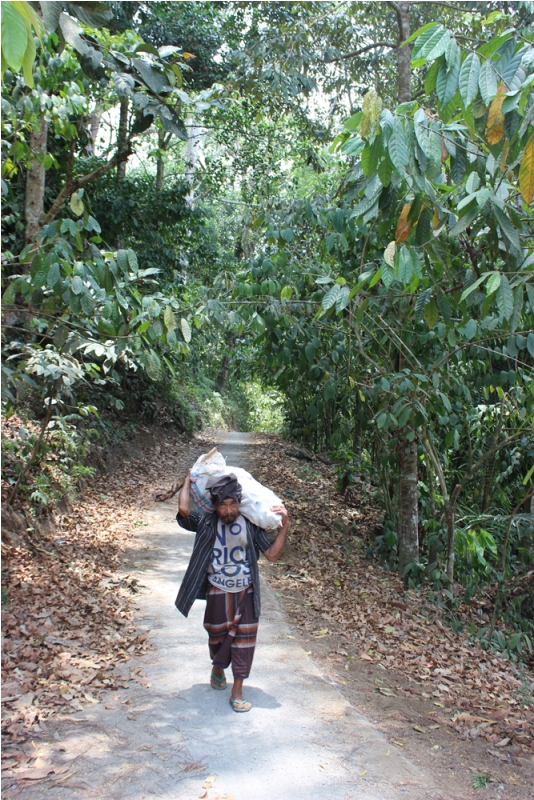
240	705
217	683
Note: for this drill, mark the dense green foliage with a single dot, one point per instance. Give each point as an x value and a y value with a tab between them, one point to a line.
286	230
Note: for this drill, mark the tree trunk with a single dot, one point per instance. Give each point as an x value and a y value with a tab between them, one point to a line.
160	165
93	128
408	526
404	53
122	139
191	158
433	545
35	184
357	430
449	519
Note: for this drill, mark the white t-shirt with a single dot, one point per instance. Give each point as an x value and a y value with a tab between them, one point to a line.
229	570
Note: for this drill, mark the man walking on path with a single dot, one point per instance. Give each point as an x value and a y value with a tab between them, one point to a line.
223	570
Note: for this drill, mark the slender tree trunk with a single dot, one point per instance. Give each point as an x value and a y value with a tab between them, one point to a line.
408	527
433	545
357	431
160	165
449	520
35	184
404	53
94	127
122	139
191	159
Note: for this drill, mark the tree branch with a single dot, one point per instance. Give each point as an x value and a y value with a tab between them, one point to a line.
360	51
73	185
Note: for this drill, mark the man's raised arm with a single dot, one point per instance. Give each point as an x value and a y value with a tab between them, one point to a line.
184	496
275	550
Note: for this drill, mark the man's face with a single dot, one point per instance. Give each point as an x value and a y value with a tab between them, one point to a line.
228	510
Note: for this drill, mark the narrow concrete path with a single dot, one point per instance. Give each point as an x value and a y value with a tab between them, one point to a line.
301	741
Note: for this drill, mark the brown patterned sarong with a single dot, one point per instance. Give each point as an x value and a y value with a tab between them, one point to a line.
232	629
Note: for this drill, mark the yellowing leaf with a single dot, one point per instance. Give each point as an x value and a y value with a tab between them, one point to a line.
186	330
187	56
169	319
403	226
526	172
208	783
504	155
495	122
372	108
76	204
389	253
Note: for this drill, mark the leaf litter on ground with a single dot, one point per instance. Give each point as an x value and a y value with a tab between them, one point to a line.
69	630
366	605
67	623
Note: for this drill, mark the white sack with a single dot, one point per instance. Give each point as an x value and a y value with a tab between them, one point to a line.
256	499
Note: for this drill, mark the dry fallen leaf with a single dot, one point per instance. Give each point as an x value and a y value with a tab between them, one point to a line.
386	691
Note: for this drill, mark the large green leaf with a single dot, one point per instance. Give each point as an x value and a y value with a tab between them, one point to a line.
27	63
94	14
174	125
124	83
15	34
494	281
132	261
155	81
330	389
475	285
468	80
51	11
405	267
509	231
343	299
434	46
87	304
76	285
54	275
505	298
72	33
331	297
142	123
447	81
487	82
398	148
